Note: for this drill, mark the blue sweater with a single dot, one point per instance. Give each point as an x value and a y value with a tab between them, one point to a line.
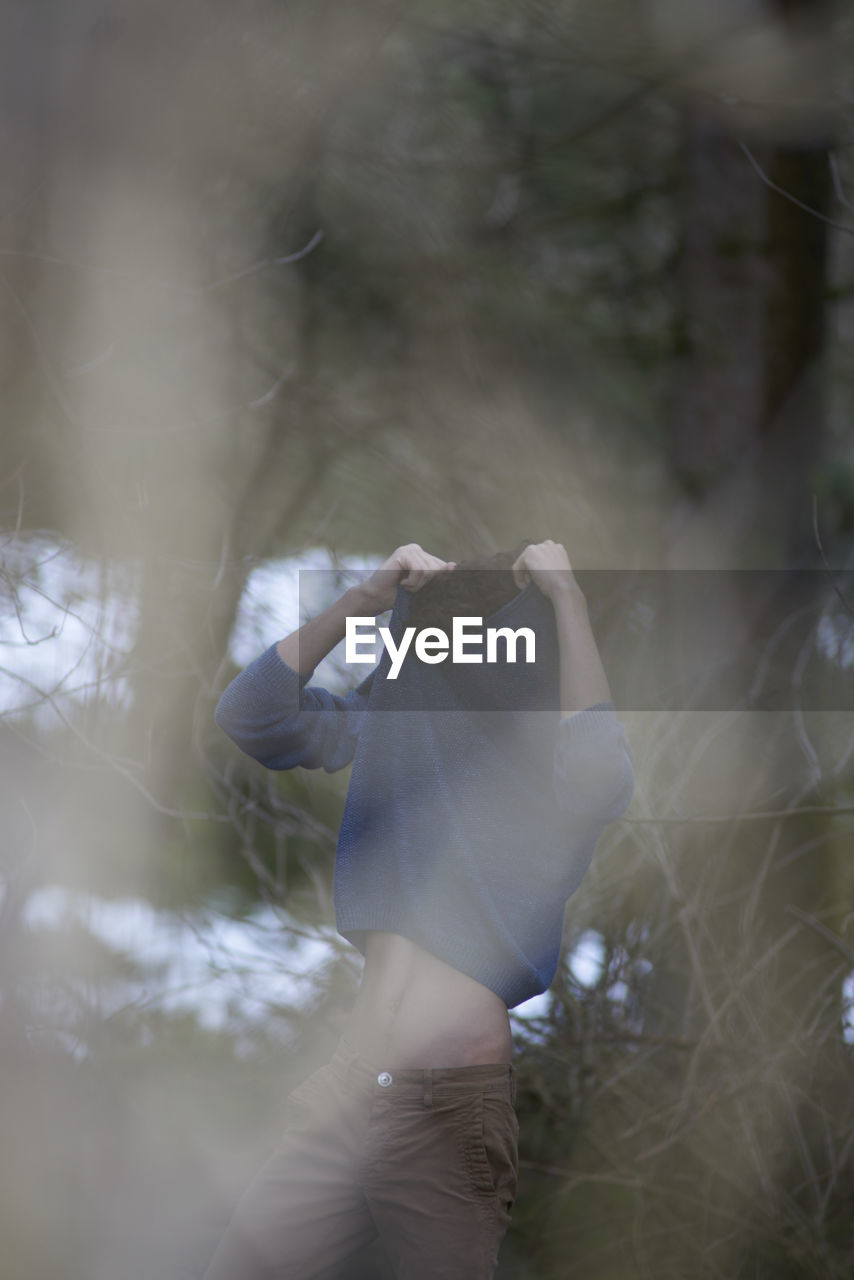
473	808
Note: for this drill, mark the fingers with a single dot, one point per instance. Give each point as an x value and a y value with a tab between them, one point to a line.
537	559
412	567
419	566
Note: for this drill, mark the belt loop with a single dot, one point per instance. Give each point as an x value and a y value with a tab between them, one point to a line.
512	1082
428	1087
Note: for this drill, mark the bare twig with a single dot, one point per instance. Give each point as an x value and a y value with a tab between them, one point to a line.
847	605
787	195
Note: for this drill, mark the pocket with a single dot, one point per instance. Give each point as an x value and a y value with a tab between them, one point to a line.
492	1149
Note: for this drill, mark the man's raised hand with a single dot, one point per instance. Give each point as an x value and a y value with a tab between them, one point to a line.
409	566
548	565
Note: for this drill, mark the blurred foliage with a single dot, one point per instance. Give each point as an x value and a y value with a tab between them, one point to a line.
312	274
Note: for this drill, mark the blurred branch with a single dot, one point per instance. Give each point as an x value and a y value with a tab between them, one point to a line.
787	195
760	815
846	604
833	938
41	354
170	285
837	182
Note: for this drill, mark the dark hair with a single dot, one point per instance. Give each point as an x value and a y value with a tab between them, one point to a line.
477	587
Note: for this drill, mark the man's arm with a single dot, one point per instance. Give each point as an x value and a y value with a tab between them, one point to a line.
583	682
409	566
270	714
594	773
302	650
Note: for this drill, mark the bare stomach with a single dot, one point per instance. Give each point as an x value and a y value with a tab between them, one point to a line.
413	1010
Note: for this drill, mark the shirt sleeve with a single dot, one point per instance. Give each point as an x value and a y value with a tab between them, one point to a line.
272	714
594	775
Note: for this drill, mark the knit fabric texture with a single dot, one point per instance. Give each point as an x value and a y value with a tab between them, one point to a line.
473	808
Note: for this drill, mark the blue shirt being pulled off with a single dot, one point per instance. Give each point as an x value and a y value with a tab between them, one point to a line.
473	809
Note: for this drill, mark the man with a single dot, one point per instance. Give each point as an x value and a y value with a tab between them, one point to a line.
477	796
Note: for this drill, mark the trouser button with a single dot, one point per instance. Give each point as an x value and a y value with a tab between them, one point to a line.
384	1079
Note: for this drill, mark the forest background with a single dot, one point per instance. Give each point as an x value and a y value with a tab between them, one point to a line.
288	284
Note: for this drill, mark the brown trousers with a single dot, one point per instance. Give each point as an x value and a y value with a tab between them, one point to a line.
426	1159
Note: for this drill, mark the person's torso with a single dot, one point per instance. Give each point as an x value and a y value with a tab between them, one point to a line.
413	1010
